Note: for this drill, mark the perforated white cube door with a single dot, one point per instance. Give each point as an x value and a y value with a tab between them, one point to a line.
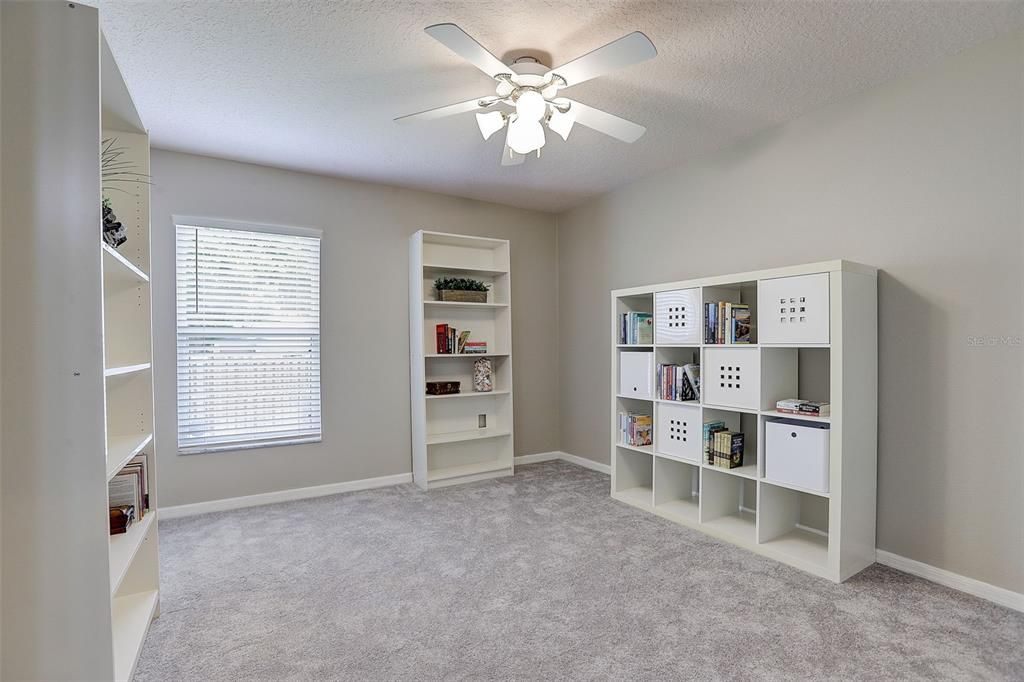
676	318
731	377
679	431
793	309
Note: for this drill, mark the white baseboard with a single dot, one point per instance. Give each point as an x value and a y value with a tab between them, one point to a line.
998	595
565	457
282	496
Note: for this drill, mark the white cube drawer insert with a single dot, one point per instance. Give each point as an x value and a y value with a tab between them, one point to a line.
793	309
679	431
636	374
731	377
676	318
796	453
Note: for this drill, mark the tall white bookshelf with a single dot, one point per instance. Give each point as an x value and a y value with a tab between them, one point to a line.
814	338
77	602
466	436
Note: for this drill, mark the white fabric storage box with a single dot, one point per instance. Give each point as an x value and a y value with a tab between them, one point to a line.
677	317
793	309
796	453
679	431
636	374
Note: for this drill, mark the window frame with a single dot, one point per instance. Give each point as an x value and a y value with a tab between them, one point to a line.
177	221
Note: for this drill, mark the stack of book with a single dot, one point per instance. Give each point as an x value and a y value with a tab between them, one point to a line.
451	341
128	494
722	448
679	382
807	408
726	322
636	429
636	328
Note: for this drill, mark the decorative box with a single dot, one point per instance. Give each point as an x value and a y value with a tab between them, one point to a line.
442	387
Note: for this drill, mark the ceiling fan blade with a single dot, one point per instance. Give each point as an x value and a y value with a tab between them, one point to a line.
460	42
606	123
510	158
450	110
626	51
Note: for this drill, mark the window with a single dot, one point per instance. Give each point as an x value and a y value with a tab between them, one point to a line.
248	307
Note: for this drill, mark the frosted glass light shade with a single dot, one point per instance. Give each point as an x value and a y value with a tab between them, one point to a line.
525	136
531	106
562	123
490	123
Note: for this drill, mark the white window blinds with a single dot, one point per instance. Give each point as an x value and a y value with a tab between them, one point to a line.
248	307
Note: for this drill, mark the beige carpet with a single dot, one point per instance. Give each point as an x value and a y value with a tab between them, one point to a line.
539	576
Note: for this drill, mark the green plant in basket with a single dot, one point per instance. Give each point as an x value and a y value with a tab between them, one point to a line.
461	290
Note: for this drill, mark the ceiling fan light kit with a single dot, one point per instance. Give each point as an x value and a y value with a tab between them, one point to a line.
530	89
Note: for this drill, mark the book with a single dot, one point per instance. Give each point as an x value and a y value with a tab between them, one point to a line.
727	450
635	429
710	429
809	408
692	373
636	328
442	338
740	323
125	489
463	338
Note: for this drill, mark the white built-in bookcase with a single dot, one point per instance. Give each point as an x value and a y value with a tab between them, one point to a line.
77	354
814	338
448	445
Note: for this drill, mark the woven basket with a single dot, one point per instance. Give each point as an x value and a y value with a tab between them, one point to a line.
458	296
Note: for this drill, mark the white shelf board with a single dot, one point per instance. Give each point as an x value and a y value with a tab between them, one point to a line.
801	545
725	408
126	369
468	394
746	471
634	345
694	462
465	355
472	434
677	345
460	304
740	525
634	397
687	510
123	548
730	345
120	449
462	470
432	269
120	271
646	449
798	489
641	495
132	615
692	403
801	417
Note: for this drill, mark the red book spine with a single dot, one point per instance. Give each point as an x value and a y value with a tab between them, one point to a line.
442	338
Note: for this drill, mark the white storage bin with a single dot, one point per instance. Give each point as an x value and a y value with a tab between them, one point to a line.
677	317
679	431
636	374
796	453
731	377
793	309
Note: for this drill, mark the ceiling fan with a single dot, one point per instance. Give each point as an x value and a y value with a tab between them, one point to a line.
529	92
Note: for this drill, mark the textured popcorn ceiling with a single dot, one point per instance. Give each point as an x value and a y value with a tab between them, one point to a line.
314	85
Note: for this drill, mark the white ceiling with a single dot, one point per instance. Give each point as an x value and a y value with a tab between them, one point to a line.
314	85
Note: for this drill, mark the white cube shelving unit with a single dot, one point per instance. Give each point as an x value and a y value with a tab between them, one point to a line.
466	436
814	337
81	332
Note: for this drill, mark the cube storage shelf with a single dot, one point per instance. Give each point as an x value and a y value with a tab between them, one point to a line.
814	337
466	436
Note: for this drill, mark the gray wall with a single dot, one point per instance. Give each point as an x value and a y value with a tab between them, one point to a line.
921	178
365	313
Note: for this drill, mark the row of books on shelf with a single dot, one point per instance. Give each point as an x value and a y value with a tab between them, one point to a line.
636	429
678	382
807	408
726	322
636	328
722	448
451	341
128	494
